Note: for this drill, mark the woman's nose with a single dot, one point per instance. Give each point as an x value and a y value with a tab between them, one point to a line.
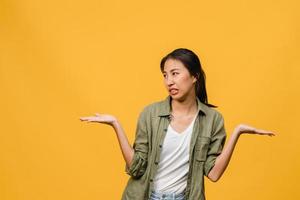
169	81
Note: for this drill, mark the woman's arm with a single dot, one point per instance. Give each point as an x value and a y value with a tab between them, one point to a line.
126	148
136	156
223	159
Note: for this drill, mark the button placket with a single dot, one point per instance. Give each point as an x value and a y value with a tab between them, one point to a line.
160	146
195	135
161	136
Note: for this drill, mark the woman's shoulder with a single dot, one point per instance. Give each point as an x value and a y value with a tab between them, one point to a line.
211	110
154	107
162	107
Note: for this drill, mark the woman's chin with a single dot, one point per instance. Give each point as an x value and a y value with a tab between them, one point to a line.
177	97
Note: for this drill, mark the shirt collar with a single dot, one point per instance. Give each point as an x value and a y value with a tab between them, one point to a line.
165	109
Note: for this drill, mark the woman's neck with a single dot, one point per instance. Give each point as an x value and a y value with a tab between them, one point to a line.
187	107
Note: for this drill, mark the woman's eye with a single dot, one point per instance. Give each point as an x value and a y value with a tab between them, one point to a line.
174	73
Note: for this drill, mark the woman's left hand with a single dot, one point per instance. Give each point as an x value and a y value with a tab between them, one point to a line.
243	128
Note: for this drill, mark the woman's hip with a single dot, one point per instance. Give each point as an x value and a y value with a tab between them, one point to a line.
167	196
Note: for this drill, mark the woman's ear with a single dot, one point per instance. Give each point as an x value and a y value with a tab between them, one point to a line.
196	77
194	80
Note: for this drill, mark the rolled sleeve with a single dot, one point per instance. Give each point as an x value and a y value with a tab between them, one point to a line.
140	157
216	145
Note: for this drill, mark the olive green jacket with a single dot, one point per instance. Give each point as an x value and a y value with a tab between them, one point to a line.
208	139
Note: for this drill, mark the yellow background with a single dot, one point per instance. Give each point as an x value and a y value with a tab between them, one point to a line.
61	60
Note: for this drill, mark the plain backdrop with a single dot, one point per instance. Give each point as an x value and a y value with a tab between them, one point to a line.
61	60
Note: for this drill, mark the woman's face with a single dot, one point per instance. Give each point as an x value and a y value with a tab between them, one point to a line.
178	80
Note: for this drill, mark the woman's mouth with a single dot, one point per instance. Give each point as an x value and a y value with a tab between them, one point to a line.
173	91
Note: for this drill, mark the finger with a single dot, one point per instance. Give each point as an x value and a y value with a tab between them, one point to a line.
263	131
82	119
269	133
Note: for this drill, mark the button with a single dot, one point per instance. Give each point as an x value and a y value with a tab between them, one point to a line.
156	162
160	146
151	180
165	129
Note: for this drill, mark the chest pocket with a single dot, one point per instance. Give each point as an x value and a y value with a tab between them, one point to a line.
201	148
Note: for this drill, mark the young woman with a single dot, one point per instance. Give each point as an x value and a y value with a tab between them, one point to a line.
178	140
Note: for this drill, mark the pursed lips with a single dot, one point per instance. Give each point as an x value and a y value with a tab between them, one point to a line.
173	89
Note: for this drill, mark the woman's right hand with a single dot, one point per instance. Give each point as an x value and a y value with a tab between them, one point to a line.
100	118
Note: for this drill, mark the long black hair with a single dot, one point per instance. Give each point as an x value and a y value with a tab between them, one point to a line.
191	61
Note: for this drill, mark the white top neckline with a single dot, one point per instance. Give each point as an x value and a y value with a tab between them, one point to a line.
184	131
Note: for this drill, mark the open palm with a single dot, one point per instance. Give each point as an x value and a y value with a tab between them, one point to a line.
100	118
243	128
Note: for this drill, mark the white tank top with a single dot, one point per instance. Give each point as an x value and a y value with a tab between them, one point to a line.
173	166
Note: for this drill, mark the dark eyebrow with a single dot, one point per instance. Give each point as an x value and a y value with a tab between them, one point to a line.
172	70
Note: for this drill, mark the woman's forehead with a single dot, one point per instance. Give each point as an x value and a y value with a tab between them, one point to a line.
172	65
